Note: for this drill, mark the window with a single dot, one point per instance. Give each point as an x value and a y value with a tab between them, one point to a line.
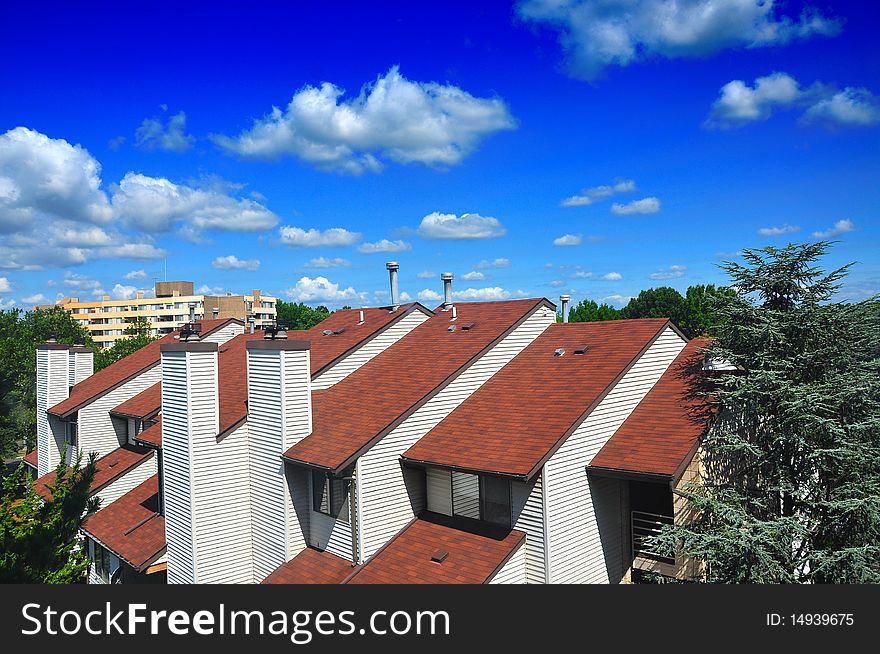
71	433
330	495
481	497
106	564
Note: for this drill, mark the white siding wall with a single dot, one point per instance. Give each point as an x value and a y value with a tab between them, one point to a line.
134	477
97	431
332	534
439	486
579	539
514	571
81	365
528	515
224	334
386	506
53	378
279	415
466	495
365	353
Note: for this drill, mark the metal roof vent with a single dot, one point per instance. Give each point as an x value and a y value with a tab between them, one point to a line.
468	326
451	328
274	332
564	299
215	313
190	333
581	349
454	313
326	332
337	332
361	317
393	267
439	556
559	351
447	289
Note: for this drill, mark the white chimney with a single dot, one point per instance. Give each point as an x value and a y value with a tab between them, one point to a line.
81	363
564	299
447	289
279	416
393	267
53	386
190	426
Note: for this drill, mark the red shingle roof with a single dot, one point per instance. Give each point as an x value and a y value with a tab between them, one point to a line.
143	405
311	566
131	527
31	459
152	434
349	416
659	437
103	381
108	469
475	553
518	418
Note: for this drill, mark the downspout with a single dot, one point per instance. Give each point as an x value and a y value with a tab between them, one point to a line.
544	487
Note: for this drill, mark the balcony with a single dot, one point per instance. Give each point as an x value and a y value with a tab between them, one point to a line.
644	526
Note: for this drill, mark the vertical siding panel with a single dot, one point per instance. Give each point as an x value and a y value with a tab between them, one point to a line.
439	487
386	504
514	570
528	516
53	386
584	544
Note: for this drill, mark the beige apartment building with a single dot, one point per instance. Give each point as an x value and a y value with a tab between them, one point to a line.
106	319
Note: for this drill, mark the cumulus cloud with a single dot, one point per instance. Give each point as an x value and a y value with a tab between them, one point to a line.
426	274
739	104
427	295
468	226
643	206
321	289
172	136
37	298
4	285
598	34
135	274
77	283
323	262
612	276
483	294
779	231
840	227
5	305
619	300
474	276
384	246
156	204
568	239
232	262
582	274
204	289
673	272
123	292
500	262
298	237
392	119
591	195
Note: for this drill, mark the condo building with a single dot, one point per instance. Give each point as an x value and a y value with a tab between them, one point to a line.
173	304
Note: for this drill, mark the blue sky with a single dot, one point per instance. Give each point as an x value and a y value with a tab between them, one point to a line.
445	137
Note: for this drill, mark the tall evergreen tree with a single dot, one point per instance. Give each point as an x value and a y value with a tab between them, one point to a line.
793	459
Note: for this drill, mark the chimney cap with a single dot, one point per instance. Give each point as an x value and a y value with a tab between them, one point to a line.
446	275
564	298
392	265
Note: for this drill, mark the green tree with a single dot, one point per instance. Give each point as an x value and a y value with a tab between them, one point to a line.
38	539
296	315
701	302
660	302
20	333
793	487
590	311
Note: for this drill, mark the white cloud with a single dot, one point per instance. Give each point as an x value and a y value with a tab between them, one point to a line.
5	305
393	118
77	283
590	195
482	294
426	274
232	262
596	35
855	107
500	262
321	289
323	262
840	227
673	272
156	204
468	226
204	289
427	295
779	231
568	239
643	206
4	285
556	283
619	300
152	135
123	292
298	237
384	246
474	276
37	298
582	274
612	276
135	274
739	104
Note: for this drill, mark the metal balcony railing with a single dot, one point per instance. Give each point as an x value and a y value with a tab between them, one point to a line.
644	526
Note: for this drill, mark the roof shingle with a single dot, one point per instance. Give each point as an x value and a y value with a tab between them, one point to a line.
311	566
108	469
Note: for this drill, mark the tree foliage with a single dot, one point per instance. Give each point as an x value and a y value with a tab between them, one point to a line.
590	311
137	335
296	315
38	539
793	458
20	333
